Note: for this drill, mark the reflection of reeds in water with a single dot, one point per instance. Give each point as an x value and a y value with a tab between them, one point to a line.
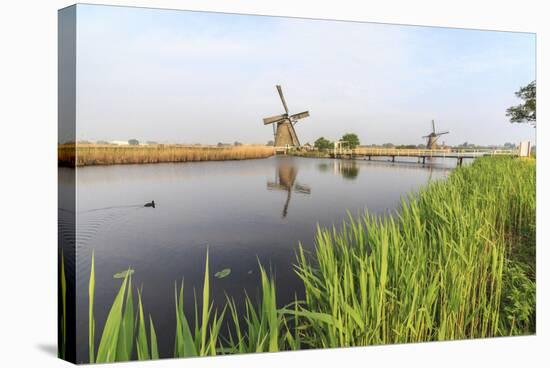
457	262
91	154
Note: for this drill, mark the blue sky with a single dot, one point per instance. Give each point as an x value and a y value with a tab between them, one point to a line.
192	77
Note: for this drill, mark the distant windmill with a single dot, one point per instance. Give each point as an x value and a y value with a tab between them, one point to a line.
284	132
433	137
286	181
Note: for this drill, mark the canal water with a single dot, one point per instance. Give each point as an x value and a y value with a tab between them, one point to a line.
242	212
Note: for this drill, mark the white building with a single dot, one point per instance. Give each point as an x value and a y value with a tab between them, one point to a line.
119	143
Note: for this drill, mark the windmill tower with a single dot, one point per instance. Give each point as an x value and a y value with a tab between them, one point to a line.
433	137
285	180
283	125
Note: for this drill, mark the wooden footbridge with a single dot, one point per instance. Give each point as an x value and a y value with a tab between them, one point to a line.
368	153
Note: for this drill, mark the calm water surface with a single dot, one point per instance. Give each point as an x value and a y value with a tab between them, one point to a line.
242	212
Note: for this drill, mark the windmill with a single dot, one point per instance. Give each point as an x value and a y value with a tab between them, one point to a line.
285	180
433	137
283	125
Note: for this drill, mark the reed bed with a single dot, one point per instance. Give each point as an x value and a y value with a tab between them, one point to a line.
440	269
455	261
91	154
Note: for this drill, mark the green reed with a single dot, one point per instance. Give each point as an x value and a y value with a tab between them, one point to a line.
455	261
435	270
203	339
264	328
123	329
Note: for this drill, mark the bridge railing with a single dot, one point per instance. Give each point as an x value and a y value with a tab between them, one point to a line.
397	151
407	152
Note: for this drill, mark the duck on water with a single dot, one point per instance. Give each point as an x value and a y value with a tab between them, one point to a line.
150	204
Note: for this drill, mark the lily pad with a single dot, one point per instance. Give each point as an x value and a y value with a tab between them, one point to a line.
223	273
122	274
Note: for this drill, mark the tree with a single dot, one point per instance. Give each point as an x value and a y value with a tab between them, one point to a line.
352	139
322	143
237	143
527	111
270	143
133	142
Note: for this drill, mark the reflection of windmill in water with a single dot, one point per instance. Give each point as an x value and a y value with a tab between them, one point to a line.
285	179
433	137
283	125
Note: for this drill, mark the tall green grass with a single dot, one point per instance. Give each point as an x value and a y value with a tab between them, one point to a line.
123	329
264	327
436	270
456	261
203	339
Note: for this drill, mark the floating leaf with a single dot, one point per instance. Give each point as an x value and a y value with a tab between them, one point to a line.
223	273
122	274
250	272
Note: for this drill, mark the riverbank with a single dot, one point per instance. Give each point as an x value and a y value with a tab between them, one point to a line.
456	261
70	155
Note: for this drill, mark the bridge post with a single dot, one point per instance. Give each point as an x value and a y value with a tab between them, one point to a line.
423	160
369	157
393	159
459	163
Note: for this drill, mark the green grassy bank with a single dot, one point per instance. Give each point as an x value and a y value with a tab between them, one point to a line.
456	261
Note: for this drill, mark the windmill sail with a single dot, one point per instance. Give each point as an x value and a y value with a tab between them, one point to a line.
274	119
299	115
280	90
283	124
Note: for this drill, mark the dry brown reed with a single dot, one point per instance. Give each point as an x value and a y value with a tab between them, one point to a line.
92	154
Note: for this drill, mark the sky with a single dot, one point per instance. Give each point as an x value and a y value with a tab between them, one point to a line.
197	77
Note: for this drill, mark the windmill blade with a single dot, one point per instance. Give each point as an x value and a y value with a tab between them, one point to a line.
299	115
285	208
426	136
293	135
280	90
300	188
274	119
433	126
446	132
275	186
